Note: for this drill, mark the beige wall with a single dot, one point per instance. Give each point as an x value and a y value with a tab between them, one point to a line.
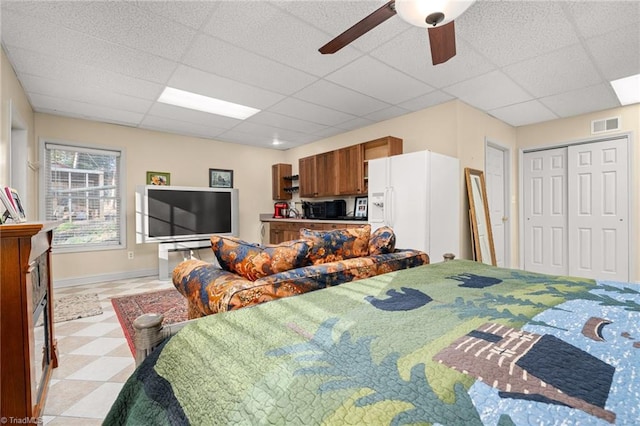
14	102
578	128
188	159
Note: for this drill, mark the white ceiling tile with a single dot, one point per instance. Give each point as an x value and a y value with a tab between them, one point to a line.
507	32
193	16
17	30
617	54
559	71
83	76
386	114
489	91
262	28
581	101
284	122
411	54
340	98
303	110
181	127
221	58
600	17
192	116
93	95
268	132
522	114
193	80
66	107
365	75
426	101
356	123
337	19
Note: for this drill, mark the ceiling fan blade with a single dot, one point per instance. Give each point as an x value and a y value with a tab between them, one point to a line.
367	24
443	43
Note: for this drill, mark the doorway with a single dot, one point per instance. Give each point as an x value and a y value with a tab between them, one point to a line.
497	172
576	209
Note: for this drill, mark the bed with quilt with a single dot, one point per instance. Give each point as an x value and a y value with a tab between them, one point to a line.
449	343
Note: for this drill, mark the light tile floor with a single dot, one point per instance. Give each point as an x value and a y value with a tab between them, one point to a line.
94	359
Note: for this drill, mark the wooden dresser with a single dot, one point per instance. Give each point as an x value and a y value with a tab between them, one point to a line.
27	344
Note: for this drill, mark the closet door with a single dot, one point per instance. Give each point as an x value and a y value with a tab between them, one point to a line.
545	211
599	210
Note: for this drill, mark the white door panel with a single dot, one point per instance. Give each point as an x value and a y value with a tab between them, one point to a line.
598	210
545	227
498	199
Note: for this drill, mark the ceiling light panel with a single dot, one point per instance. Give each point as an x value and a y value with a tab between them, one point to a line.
627	89
184	99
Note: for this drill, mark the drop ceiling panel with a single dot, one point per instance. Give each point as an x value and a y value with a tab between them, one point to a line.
282	121
219	57
511	31
386	114
414	59
193	15
18	30
303	110
581	101
380	81
426	101
560	71
523	113
340	98
617	54
262	28
489	91
72	108
93	95
193	80
37	64
180	127
338	17
192	116
600	17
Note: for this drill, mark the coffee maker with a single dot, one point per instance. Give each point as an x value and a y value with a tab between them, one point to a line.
280	210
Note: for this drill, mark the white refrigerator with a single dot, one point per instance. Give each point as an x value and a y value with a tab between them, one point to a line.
418	195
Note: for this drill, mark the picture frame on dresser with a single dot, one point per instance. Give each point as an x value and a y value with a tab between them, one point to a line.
9	212
220	178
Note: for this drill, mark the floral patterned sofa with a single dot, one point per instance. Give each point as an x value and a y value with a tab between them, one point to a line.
249	274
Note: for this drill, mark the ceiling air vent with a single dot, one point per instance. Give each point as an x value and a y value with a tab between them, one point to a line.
605	125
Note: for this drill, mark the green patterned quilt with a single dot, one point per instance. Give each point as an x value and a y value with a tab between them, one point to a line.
449	343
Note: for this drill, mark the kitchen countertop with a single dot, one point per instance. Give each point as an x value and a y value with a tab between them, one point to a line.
268	217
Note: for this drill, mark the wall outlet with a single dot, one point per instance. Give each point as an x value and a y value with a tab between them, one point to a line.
130	255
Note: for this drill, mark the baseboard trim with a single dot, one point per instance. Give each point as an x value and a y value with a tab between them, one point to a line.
94	279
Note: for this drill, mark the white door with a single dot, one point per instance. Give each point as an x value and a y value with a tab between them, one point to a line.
545	211
599	210
498	200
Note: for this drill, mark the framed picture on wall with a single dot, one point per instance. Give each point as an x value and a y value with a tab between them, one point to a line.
361	207
220	178
158	178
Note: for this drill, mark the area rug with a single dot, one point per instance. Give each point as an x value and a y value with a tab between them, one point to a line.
171	304
75	306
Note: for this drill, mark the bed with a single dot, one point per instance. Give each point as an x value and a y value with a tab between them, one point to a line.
449	343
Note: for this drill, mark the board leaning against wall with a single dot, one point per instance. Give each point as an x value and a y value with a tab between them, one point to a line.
576	209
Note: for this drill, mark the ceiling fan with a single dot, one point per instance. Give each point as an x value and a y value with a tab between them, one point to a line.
436	15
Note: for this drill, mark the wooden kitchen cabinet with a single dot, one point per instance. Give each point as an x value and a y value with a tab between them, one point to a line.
279	174
350	170
317	175
27	344
378	148
282	231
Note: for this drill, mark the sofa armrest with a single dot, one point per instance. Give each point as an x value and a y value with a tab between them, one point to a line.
205	285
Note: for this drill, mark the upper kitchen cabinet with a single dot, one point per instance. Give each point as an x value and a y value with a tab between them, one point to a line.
350	170
281	183
379	148
318	175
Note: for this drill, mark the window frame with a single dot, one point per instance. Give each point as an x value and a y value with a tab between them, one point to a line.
122	198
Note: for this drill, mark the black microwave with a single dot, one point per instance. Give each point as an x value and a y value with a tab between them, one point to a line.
326	209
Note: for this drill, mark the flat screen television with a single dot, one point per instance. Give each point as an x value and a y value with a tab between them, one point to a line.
175	213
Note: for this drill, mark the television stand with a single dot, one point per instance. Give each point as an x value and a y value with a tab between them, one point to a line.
165	248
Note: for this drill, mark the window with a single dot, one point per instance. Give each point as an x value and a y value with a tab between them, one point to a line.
82	186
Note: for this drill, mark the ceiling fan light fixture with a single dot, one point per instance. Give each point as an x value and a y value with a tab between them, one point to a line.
424	13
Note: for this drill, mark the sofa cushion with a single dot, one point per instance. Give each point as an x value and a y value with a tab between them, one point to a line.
253	261
382	241
339	244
